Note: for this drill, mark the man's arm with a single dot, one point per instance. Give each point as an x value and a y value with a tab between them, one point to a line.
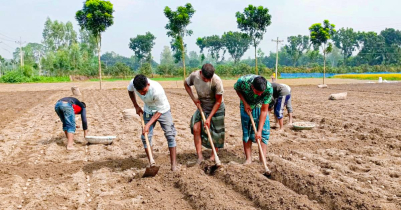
84	121
262	119
139	110
246	105
216	107
151	121
190	93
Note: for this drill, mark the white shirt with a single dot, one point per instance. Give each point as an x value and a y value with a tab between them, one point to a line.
155	99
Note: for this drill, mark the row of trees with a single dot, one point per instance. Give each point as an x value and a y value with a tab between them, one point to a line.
65	51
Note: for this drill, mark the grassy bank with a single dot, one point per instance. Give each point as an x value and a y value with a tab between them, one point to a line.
369	76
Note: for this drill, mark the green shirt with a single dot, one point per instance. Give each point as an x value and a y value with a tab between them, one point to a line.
243	85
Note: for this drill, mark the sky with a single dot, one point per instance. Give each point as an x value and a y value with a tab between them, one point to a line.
26	18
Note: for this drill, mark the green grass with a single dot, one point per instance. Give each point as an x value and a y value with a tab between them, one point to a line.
369	76
34	79
129	78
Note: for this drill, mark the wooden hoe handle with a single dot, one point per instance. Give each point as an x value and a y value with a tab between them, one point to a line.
209	137
258	141
152	161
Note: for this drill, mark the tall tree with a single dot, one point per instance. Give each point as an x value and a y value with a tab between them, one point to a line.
347	41
237	44
372	48
296	47
177	28
57	35
319	36
96	16
166	57
254	21
142	45
214	44
392	50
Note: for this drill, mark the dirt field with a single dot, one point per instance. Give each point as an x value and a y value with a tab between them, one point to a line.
350	160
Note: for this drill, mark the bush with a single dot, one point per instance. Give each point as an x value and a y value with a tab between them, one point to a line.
14	77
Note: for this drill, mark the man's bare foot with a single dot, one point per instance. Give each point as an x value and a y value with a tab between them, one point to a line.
247	162
71	148
199	161
175	167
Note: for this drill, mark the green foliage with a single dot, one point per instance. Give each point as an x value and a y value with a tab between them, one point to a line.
214	44
177	29
166	57
254	21
347	41
145	69
142	45
19	76
96	16
179	20
296	47
57	35
321	34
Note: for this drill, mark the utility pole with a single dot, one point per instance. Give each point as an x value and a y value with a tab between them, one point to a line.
20	50
277	41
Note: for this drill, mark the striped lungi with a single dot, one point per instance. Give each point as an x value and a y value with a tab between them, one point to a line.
217	130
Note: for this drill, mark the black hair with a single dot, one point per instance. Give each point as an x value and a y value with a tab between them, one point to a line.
83	104
208	70
259	83
140	82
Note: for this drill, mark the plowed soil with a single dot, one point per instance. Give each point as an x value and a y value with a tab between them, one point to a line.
350	160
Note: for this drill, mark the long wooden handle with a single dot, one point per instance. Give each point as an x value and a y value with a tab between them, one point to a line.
209	137
151	160
258	141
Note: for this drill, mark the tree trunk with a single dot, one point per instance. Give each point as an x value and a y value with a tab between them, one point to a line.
150	63
324	65
98	56
256	62
183	56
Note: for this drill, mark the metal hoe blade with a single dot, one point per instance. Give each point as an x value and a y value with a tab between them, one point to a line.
151	171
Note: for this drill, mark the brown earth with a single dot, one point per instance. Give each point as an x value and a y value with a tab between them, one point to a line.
350	160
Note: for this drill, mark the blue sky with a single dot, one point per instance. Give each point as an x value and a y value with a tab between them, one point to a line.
25	18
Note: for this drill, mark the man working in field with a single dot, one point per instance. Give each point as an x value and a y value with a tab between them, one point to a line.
157	109
66	108
282	97
209	88
255	93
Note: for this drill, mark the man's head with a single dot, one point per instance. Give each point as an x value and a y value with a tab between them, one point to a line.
259	85
207	72
141	84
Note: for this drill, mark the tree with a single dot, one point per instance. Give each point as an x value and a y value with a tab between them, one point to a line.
193	58
214	44
142	46
96	16
346	41
392	50
166	57
2	63
178	22
236	43
254	21
319	36
57	35
372	49
296	47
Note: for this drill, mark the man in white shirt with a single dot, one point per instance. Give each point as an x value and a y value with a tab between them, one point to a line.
157	109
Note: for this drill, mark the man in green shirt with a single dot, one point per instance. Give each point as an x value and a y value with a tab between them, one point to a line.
255	93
